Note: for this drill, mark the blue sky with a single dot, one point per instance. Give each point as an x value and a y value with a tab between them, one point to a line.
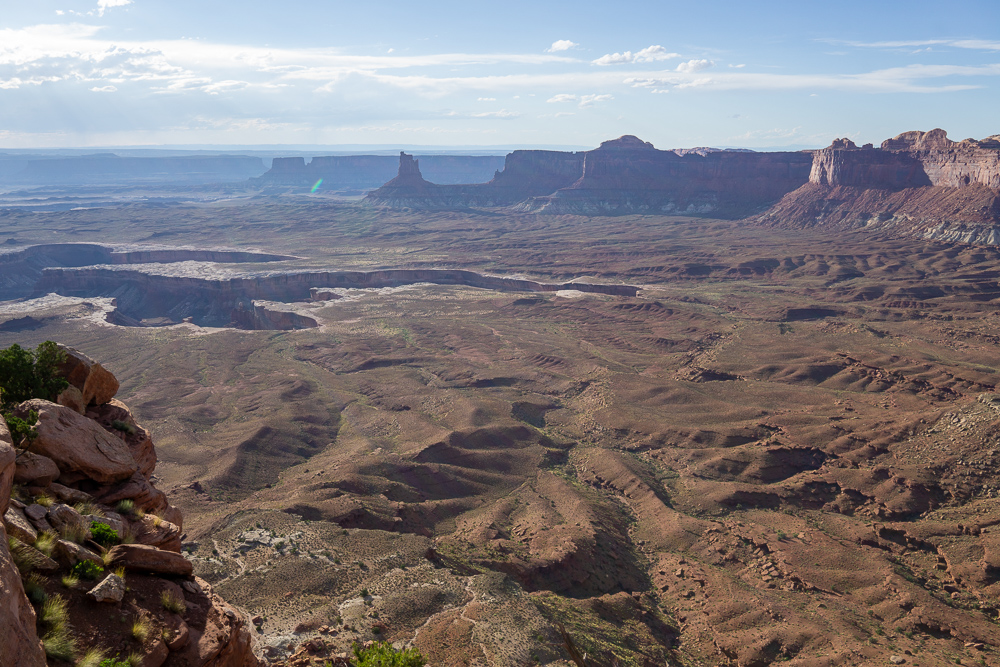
511	73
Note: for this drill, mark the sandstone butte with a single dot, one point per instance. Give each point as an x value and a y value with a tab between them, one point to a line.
916	184
90	452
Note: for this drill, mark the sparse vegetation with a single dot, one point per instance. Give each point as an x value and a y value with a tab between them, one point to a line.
126	508
34	588
45	500
58	640
70	580
382	654
73	532
93	657
140	629
88	508
46	543
172	603
123	426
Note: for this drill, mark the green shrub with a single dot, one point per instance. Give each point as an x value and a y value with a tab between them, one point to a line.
104	534
382	654
27	374
86	569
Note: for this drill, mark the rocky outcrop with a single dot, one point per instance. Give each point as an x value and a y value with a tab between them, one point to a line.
103	459
79	447
96	385
917	184
626	175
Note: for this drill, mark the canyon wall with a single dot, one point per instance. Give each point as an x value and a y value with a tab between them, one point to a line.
366	172
625	175
917	184
108	168
143	298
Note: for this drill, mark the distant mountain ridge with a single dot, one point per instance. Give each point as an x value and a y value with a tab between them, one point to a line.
915	184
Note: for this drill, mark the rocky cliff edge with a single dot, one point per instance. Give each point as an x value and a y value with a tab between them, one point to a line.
90	561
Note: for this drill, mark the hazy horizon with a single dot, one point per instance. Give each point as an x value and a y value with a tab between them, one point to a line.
134	73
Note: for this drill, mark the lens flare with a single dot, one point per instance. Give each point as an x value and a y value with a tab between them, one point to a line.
316	187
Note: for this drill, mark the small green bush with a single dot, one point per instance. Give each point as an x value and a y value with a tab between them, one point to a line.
104	534
86	569
382	654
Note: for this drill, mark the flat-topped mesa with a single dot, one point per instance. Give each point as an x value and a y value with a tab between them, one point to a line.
623	175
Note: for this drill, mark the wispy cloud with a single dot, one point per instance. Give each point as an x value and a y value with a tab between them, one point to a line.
973	44
104	5
646	55
910	79
561	45
583	101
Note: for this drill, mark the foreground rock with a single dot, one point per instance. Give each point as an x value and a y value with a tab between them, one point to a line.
146	558
19	643
111	589
96	384
80	448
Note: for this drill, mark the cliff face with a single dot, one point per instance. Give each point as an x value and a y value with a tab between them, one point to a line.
625	175
916	184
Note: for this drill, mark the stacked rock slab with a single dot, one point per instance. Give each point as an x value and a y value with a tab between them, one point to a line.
89	449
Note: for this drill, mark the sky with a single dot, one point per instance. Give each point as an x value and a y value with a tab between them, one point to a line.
98	73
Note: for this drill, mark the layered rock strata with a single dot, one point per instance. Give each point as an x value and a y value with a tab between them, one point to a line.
918	184
84	484
625	175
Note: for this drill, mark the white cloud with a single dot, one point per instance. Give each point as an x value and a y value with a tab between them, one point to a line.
740	66
103	5
646	55
561	45
103	89
562	97
694	66
486	99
